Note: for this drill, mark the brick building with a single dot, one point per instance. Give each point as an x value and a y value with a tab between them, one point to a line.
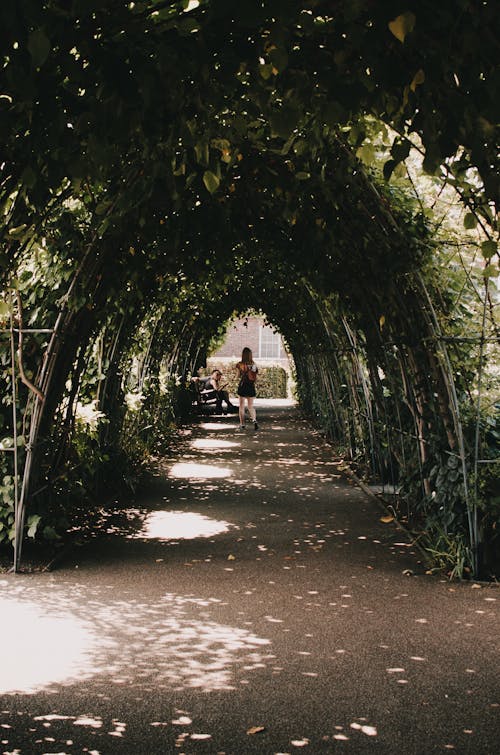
266	345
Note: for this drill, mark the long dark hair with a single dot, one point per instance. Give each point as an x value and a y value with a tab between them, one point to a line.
246	356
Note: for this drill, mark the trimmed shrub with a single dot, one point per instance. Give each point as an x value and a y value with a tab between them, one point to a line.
271	381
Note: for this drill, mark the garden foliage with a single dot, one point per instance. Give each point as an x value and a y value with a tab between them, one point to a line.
167	166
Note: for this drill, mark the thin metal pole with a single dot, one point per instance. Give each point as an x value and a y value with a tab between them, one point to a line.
26	330
17	548
479	398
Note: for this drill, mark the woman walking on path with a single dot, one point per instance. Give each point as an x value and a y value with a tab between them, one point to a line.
247	372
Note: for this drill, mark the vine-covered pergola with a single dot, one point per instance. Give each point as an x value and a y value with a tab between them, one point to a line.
168	165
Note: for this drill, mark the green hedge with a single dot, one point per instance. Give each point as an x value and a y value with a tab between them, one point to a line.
271	381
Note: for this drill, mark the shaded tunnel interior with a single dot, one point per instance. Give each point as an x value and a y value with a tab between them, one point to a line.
145	229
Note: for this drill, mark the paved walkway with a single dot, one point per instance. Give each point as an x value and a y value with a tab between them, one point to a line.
251	603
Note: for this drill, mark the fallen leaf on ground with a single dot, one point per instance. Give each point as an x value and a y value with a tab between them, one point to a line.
370	731
231	557
387	519
256	729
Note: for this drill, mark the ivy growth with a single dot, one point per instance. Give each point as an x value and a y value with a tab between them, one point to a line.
165	165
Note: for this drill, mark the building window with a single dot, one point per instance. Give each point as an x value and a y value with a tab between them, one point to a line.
269	343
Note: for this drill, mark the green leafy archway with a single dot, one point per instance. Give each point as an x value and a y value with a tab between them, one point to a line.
167	164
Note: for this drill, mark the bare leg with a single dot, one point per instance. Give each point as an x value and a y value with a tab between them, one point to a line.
251	409
242	410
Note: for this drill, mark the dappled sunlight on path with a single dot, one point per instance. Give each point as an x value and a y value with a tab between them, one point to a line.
179	525
198	471
62	635
251	602
38	648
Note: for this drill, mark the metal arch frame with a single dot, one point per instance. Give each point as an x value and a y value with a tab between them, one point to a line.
19	507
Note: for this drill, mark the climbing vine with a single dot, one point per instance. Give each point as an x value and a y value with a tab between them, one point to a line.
167	165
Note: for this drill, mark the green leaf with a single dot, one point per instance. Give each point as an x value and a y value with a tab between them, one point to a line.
366	153
211	181
302	175
266	71
400	170
432	160
181	170
17	232
33	522
49	533
4	308
39	47
491	271
388	168
201	151
400	150
470	221
418	79
103	207
488	249
402	25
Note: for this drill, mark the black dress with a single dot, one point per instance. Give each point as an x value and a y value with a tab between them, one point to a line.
246	387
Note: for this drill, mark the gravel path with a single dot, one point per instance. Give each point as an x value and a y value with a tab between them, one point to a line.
251	602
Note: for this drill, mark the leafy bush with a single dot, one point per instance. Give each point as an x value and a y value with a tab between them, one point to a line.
449	552
272	382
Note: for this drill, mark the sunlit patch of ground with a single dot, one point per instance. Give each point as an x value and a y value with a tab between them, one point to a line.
179	525
38	648
195	471
216	444
69	634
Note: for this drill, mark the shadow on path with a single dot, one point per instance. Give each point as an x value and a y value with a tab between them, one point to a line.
251	601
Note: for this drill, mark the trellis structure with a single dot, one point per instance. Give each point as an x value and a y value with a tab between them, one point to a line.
20	469
138	224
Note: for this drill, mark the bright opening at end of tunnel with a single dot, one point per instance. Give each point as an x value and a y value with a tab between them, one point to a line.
37	650
186	470
180	525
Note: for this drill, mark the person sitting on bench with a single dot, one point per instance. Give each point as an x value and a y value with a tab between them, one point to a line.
206	391
214	382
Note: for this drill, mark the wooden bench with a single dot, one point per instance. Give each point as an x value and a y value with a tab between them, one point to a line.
204	399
